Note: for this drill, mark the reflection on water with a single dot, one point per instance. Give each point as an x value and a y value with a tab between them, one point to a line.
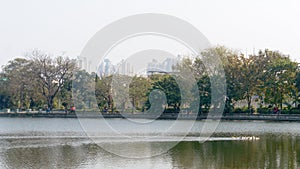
83	156
271	152
268	152
61	143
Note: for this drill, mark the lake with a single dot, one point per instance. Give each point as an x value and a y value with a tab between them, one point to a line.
64	143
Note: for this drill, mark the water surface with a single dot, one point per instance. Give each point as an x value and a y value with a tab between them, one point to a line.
62	143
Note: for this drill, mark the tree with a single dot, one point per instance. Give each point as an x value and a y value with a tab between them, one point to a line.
167	85
297	85
103	92
204	88
138	91
51	73
20	83
5	98
229	63
81	91
196	66
251	71
280	75
120	92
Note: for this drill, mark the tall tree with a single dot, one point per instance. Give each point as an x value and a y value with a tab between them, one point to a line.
167	85
229	63
137	91
20	82
51	73
280	75
251	71
81	90
5	97
103	92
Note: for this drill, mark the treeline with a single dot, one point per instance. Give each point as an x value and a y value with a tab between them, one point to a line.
269	75
37	82
41	81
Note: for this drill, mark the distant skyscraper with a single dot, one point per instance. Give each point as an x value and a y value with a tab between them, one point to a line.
124	68
84	64
166	66
105	68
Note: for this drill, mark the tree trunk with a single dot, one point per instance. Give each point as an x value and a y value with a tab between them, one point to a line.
280	98
50	102
249	102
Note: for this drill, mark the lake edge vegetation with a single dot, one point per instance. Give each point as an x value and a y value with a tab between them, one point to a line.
267	79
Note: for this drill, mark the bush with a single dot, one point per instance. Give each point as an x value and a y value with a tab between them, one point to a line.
204	111
294	111
264	110
237	110
243	110
171	110
285	111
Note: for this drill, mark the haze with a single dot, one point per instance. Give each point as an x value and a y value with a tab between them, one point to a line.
65	26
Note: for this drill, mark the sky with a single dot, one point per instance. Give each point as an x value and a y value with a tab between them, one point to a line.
59	26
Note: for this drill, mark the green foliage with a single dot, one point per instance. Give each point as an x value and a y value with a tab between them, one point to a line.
279	78
43	80
138	89
294	111
20	84
264	110
166	85
243	110
30	83
79	90
204	90
103	93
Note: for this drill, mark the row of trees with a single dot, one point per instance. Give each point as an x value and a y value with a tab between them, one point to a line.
36	82
270	75
41	80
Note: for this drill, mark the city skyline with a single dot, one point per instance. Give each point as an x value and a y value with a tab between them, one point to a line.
124	67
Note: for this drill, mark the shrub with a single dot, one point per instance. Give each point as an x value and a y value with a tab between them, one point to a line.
285	111
264	110
243	110
294	111
237	110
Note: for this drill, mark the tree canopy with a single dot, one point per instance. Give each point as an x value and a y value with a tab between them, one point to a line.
43	80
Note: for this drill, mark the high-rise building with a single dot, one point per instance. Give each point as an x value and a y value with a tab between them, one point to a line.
105	68
124	68
165	66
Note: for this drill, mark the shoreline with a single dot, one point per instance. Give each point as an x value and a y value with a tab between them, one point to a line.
241	117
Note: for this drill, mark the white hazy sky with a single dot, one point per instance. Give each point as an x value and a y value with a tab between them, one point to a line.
65	26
